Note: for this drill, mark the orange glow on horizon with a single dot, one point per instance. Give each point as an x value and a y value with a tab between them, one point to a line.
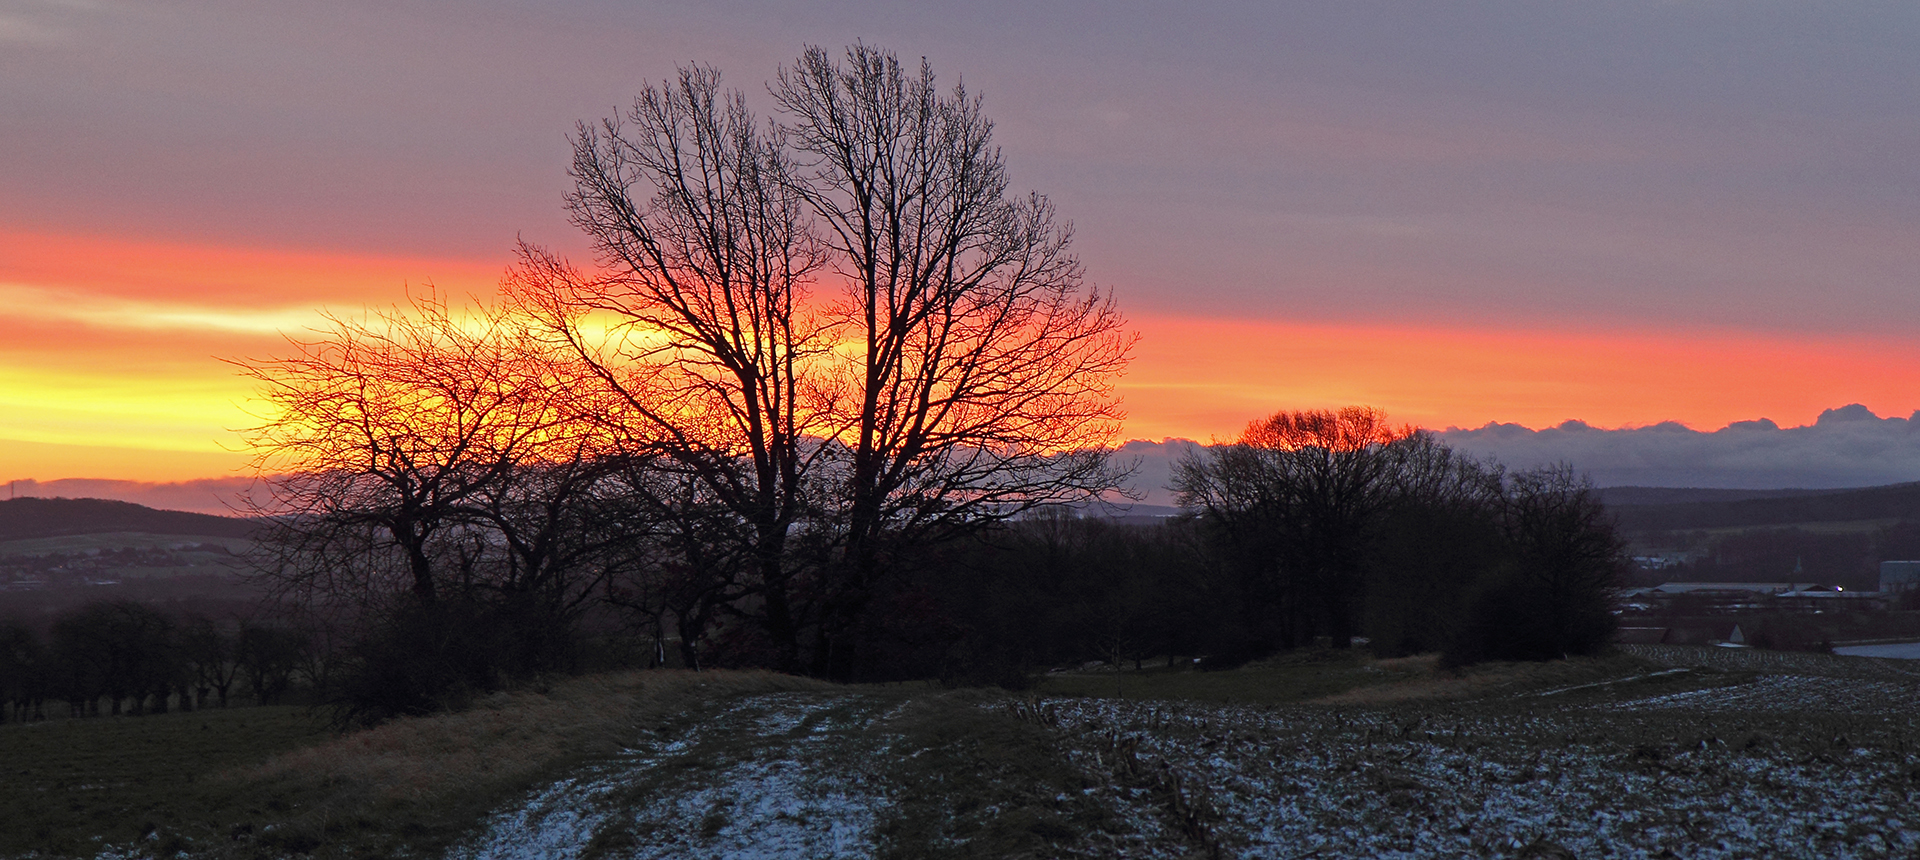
109	367
1205	379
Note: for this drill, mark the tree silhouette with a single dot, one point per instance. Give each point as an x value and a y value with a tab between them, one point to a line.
381	437
1302	497
23	673
961	376
1555	598
981	370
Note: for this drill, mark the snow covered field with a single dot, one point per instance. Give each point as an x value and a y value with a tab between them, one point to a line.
1592	780
1697	764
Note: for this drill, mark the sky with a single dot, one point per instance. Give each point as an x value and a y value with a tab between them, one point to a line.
1467	214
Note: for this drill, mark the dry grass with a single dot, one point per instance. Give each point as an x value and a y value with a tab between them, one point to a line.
510	736
419	783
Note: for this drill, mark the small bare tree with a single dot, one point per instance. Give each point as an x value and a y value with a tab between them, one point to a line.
389	436
435	478
1567	556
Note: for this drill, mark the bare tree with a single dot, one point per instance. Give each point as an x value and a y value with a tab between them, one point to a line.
211	659
962	376
980	369
23	673
1567	559
387	437
713	352
436	477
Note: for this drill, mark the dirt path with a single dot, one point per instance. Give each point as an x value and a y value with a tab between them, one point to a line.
1700	763
782	775
835	775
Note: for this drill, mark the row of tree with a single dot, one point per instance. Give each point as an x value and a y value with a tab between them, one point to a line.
1324	528
117	657
1338	523
825	371
1428	551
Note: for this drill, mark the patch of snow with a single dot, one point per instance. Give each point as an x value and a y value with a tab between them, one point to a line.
1342	783
775	776
1791	693
1896	651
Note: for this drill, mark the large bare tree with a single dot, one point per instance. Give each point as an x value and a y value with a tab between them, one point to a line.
839	327
980	363
697	322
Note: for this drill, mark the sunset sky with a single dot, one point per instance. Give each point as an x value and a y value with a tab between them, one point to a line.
1462	213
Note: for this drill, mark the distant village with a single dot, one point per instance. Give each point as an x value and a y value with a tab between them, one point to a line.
1794	615
99	567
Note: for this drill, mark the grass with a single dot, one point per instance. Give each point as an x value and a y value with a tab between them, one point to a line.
420	783
1071	771
270	782
67	786
1352	678
972	782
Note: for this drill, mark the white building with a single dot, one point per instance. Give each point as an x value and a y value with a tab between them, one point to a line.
1899	575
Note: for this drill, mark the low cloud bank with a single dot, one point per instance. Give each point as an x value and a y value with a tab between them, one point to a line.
1846	447
219	496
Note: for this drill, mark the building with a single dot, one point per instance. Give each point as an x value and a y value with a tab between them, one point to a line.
1897	576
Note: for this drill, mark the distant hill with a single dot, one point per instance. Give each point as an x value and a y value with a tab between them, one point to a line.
39	518
1615	496
1639	508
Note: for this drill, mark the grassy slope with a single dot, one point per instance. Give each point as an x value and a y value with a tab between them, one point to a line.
1296	677
268	782
980	779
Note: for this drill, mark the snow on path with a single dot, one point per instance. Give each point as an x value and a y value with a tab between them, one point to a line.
801	775
787	775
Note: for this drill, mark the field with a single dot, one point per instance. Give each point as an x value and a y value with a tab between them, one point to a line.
1661	752
71	787
80	544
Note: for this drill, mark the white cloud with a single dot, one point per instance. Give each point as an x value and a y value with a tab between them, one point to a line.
104	311
1847	447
